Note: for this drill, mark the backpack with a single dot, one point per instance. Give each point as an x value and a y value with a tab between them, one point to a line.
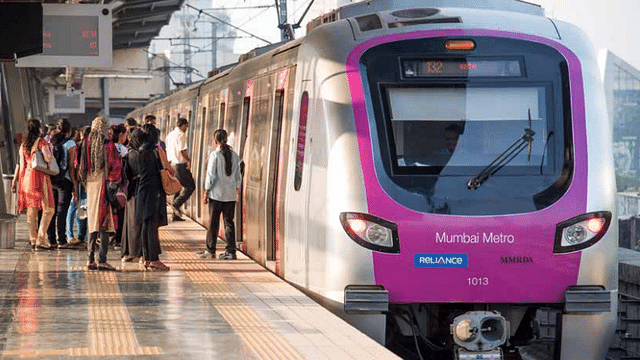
82	167
59	155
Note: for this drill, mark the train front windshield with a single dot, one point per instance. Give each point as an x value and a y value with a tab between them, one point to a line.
459	131
474	135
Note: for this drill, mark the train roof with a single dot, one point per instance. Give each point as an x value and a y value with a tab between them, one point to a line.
368	7
414	9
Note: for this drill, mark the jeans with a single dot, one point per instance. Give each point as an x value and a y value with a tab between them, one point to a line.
57	228
72	217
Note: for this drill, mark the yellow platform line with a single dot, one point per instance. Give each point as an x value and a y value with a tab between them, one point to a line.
259	336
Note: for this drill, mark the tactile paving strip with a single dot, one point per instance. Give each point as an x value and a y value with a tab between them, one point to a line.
110	328
259	336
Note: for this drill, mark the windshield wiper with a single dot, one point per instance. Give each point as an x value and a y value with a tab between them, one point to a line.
503	159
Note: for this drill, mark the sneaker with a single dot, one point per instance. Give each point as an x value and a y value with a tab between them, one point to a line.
227	256
206	254
176	218
92	266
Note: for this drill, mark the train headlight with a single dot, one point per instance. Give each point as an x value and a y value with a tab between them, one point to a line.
371	232
581	231
465	331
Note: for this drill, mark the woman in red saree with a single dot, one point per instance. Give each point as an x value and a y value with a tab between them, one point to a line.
34	187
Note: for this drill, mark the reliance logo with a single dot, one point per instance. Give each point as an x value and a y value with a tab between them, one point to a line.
460	261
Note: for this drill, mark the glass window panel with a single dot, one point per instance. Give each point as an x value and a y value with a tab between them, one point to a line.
467	127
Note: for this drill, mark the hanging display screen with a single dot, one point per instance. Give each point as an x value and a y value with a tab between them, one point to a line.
67	36
77	35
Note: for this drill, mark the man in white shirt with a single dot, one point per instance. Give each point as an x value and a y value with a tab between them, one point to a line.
179	158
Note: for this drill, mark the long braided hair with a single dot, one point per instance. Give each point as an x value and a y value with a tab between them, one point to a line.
97	136
220	136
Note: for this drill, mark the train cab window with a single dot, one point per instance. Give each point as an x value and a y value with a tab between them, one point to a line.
459	130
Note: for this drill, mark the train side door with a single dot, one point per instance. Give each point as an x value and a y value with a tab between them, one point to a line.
217	111
271	204
256	109
298	195
241	142
277	186
198	130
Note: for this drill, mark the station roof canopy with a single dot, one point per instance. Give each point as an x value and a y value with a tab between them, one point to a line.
137	22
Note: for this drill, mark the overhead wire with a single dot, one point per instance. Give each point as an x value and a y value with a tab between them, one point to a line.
229	24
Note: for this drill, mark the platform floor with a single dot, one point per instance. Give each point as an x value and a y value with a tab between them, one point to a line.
53	308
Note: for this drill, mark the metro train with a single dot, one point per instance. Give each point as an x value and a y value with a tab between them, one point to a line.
439	170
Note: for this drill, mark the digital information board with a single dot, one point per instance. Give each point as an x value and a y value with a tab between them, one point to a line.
76	35
423	68
63	102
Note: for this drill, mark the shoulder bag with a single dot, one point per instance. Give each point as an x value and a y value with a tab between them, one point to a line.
170	184
38	163
116	192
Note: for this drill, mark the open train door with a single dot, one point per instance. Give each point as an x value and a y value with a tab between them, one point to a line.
266	149
282	123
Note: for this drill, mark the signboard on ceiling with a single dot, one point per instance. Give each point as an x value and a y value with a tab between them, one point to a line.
76	35
63	102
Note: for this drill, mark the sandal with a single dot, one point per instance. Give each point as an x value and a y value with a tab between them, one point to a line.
75	241
42	247
106	267
158	265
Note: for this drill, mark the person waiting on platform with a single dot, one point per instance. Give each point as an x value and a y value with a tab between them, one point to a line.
79	196
34	187
222	184
103	163
145	164
63	150
131	243
179	158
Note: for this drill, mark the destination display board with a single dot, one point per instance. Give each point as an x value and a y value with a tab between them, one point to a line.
76	35
464	67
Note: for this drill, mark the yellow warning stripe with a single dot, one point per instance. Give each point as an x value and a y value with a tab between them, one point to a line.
258	335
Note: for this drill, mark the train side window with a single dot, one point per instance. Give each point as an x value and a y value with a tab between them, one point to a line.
223	107
302	138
